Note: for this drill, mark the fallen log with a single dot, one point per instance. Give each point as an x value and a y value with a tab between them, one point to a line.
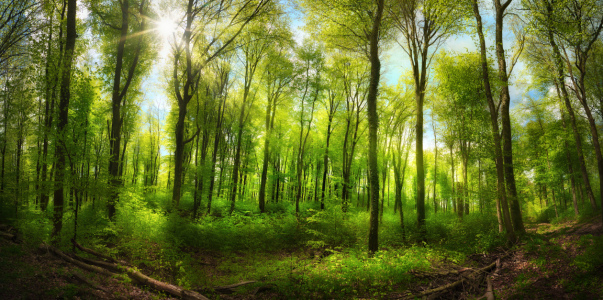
164	287
132	273
436	273
230	289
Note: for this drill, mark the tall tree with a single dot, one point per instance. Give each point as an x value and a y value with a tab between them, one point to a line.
255	47
63	118
500	8
129	47
277	78
311	60
373	120
424	25
493	107
332	102
545	18
212	27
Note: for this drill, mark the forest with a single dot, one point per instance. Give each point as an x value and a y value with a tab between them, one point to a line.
301	149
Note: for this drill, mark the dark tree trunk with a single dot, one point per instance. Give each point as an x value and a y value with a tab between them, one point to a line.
117	98
63	118
217	137
373	120
505	99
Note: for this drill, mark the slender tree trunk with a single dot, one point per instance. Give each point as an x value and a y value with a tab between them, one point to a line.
560	86
570	168
212	172
373	120
326	162
117	98
51	82
435	166
264	177
63	118
420	96
502	197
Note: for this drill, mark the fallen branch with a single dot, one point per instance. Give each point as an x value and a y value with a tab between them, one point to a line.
97	254
8	236
462	280
78	263
109	266
131	272
489	291
5	227
89	282
435	273
229	289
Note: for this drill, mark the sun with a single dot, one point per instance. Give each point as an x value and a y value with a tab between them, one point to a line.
166	27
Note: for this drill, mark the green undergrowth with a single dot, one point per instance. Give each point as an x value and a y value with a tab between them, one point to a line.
316	254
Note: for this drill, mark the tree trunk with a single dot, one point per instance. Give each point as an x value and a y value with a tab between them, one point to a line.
560	86
505	99
63	118
117	97
373	120
502	197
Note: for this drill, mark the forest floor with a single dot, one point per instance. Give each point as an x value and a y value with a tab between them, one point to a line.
560	261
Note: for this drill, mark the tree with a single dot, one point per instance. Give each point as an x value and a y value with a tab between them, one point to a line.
373	119
309	82
505	101
17	19
230	18
277	79
63	118
130	48
256	43
500	187
461	91
544	20
424	25
332	102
